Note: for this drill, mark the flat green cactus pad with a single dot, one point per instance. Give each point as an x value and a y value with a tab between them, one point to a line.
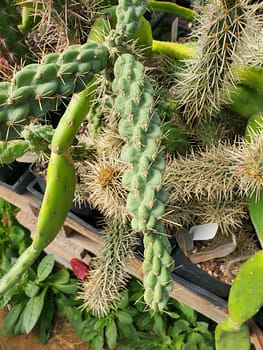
246	294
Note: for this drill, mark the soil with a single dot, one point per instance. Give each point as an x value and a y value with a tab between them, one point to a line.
63	337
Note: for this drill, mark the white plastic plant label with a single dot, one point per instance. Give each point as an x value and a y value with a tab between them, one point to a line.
204	232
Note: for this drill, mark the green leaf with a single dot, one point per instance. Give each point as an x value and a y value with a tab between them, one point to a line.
5	263
124	317
194	342
179	326
124	301
144	321
11	319
127	332
255	208
44	325
66	288
45	267
61	276
97	342
19	327
186	311
33	311
173	315
16	234
31	289
159	326
178	342
111	333
201	327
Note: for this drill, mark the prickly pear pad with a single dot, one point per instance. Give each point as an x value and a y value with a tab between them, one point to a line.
246	296
139	125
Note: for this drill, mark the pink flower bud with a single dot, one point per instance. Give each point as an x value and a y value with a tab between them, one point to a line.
79	268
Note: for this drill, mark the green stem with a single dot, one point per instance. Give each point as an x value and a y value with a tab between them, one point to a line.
250	75
22	264
173	49
74	115
168	7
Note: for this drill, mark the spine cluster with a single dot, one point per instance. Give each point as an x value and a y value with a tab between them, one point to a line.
218	173
101	291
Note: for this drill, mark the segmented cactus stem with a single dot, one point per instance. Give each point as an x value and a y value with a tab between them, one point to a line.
129	13
39	88
140	127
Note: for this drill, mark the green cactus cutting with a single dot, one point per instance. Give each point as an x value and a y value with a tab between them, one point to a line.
39	88
60	182
140	126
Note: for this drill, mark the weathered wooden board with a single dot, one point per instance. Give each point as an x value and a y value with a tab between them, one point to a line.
77	240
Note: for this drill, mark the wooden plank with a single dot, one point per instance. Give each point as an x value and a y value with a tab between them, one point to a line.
76	238
21	201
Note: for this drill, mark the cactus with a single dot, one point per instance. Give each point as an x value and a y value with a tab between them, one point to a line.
39	88
219	172
39	137
222	33
101	180
129	13
101	291
245	100
245	299
60	183
140	126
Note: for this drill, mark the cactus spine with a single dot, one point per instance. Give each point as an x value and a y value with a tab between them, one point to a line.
140	126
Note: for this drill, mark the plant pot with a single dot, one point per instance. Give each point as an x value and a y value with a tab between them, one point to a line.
15	176
191	272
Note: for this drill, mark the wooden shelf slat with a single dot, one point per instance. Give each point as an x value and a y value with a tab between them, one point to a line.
77	240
